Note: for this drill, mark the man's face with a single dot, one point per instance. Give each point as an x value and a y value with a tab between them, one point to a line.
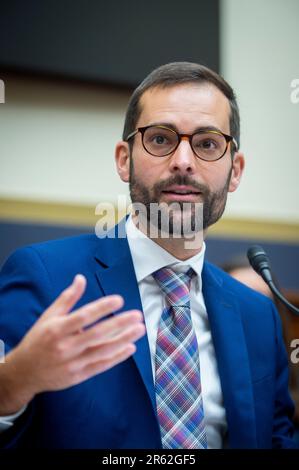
185	108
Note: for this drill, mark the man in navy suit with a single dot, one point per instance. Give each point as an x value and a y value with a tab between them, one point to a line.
90	379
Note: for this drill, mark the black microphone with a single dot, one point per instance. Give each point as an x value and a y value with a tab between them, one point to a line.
260	263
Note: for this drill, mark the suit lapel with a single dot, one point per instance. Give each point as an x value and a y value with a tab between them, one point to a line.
117	276
232	358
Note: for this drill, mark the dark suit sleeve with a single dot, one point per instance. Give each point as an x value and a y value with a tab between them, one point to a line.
284	408
25	292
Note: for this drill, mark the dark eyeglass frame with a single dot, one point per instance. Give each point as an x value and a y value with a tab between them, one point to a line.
142	130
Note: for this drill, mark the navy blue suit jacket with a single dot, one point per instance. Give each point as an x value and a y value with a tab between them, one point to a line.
116	409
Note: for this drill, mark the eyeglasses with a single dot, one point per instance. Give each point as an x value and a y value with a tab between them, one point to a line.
160	141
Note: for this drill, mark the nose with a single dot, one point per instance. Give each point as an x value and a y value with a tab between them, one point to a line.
183	159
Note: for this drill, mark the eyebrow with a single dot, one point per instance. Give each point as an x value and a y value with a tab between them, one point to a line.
198	129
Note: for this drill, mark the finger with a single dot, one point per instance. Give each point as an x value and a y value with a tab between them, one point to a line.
105	330
103	365
68	298
106	350
101	332
92	312
129	335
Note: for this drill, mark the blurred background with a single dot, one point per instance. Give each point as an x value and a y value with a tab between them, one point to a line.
68	68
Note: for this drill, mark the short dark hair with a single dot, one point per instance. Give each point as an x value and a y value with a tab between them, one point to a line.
176	73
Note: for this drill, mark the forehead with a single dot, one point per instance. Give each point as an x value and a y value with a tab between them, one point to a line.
186	106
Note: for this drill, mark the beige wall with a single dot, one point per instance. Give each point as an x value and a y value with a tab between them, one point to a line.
260	58
57	139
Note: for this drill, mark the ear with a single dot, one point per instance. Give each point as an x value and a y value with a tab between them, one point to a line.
238	165
122	160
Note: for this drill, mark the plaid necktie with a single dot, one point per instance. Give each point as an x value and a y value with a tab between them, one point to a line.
178	386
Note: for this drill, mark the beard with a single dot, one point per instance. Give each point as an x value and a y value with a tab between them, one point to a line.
211	207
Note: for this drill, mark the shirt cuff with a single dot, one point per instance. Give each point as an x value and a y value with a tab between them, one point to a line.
8	421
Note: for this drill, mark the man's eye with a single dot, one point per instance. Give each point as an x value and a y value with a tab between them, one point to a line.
159	139
208	144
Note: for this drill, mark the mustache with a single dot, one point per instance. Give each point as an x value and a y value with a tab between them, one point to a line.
180	180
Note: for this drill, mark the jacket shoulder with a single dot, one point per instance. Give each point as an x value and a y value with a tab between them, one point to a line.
235	287
58	247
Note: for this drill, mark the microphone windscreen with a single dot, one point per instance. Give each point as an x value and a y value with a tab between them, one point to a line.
257	258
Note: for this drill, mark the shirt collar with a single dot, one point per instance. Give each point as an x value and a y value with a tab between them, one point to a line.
148	256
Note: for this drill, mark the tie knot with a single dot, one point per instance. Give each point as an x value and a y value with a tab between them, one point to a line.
176	286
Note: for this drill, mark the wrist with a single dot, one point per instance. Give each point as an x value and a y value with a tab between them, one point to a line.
15	391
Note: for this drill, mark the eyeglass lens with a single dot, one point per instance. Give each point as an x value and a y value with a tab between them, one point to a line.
160	141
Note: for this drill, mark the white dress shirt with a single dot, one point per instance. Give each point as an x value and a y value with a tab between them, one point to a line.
148	257
7	421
